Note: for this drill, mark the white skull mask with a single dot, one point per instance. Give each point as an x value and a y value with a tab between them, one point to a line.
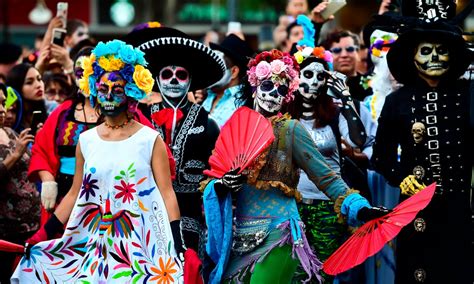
432	59
174	81
270	97
312	78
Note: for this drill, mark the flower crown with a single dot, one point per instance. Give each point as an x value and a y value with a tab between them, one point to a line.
319	52
280	67
147	25
116	55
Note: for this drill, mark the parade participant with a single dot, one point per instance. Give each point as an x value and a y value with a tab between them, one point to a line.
268	232
122	211
318	113
429	118
221	101
179	65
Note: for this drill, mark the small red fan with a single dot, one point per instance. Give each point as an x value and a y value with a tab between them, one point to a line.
11	247
244	136
373	235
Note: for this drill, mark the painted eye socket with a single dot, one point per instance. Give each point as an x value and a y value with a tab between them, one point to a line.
103	89
267	86
166	74
182	75
308	74
442	50
118	91
321	76
425	50
282	90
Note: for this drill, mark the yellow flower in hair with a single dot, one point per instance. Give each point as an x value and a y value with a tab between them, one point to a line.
143	79
299	57
84	85
87	65
104	63
154	24
115	64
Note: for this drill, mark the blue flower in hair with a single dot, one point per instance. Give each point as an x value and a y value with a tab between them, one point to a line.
98	71
92	86
141	58
127	72
308	31
101	49
127	54
114	45
133	91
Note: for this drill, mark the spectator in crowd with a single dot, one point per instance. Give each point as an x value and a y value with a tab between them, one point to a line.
10	55
57	88
221	101
27	81
19	199
344	47
76	31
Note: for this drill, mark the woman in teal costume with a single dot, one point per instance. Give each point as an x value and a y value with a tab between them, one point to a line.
268	241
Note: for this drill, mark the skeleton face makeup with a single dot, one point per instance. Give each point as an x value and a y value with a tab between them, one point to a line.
174	81
432	59
270	96
111	94
312	78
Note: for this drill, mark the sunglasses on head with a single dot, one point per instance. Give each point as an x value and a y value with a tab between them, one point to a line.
268	86
349	49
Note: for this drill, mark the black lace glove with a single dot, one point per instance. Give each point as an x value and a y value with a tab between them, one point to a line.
178	239
231	181
366	214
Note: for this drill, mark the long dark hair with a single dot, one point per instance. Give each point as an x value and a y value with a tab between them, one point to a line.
16	79
324	108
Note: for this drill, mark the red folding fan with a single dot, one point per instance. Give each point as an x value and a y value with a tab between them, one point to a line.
11	247
373	235
244	136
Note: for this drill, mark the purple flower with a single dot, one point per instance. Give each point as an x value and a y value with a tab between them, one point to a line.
88	186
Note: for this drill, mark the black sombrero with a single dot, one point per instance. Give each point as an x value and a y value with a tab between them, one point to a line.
237	49
403	50
165	46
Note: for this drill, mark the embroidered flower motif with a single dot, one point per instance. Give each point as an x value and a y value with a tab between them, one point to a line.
164	272
126	191
88	186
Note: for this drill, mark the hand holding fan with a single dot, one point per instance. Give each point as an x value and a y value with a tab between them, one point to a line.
373	235
245	136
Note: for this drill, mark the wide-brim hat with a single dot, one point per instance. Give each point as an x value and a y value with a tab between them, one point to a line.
400	57
165	46
235	48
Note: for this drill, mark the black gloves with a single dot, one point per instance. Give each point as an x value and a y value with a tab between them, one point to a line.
231	181
366	214
178	239
52	227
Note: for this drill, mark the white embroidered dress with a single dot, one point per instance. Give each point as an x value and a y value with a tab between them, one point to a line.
119	229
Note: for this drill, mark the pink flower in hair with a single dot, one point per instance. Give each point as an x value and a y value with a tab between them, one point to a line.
278	66
263	70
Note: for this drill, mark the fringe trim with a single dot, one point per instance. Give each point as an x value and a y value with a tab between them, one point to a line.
338	204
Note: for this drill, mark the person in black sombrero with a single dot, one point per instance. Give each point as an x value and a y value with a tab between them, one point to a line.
429	118
223	97
181	65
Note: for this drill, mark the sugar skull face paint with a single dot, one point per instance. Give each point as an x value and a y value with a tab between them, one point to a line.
432	59
270	96
174	81
111	94
312	78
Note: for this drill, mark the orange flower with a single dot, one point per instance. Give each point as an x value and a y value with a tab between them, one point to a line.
318	52
164	272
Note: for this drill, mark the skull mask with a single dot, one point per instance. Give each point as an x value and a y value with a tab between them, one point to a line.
312	78
418	130
111	94
269	98
174	81
432	59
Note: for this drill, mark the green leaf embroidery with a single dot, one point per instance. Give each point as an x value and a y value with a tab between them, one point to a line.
122	274
122	173
110	241
130	167
118	177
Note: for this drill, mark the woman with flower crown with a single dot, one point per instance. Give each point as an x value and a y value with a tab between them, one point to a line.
269	242
121	211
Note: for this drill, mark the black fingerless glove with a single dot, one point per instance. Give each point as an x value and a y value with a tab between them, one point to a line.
232	182
366	214
178	239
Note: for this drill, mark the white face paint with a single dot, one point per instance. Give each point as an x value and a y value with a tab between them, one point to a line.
379	53
174	81
432	59
312	78
270	97
225	80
